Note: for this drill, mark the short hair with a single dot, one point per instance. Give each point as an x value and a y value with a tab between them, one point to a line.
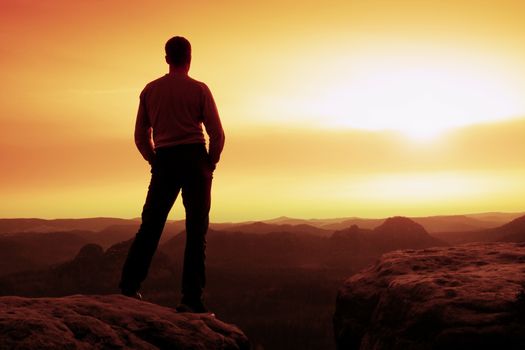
178	51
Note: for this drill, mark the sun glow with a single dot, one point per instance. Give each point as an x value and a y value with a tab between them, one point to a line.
346	107
420	97
439	186
424	100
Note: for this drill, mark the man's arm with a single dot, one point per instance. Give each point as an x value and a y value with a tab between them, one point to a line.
143	133
213	126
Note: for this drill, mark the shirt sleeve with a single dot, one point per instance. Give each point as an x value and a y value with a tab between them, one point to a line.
143	132
213	126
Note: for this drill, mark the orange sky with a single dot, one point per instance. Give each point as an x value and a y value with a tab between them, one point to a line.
331	108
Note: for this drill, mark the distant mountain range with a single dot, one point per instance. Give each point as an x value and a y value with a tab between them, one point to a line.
260	227
513	231
447	223
49	225
94	270
278	242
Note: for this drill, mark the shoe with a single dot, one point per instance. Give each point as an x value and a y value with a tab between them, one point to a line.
134	295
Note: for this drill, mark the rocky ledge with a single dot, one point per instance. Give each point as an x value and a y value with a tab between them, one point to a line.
464	297
109	322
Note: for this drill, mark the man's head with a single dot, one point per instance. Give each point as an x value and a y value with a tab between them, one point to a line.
178	52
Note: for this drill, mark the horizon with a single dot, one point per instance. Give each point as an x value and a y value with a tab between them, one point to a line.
283	217
368	108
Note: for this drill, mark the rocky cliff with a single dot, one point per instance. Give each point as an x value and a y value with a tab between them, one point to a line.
464	297
109	322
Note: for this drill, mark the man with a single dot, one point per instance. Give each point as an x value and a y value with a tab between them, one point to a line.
169	135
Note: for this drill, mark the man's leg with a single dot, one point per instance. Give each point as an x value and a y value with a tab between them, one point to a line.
196	198
162	192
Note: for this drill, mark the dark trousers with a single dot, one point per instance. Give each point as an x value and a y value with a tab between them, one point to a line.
186	168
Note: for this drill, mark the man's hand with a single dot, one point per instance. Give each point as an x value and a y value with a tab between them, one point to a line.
211	164
151	158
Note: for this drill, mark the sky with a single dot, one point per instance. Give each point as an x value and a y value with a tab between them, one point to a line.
330	108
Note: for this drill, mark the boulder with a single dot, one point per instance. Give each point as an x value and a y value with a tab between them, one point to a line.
464	297
109	322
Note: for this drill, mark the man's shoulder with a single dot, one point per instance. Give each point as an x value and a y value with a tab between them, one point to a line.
198	83
155	82
199	86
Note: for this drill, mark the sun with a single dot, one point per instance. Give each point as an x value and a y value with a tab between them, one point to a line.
422	133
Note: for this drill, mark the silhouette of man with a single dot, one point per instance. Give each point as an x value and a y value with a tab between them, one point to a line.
169	135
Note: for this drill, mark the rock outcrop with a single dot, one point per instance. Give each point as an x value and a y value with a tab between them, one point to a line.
109	322
464	297
393	234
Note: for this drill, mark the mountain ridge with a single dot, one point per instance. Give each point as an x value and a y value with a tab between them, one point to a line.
433	223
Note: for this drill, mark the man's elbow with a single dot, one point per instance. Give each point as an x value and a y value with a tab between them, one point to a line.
219	136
